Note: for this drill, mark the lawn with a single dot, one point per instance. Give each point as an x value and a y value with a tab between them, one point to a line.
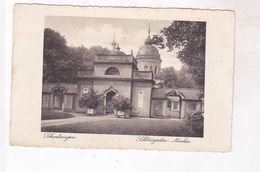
49	114
132	126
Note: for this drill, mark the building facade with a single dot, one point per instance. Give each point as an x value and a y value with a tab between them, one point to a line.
133	77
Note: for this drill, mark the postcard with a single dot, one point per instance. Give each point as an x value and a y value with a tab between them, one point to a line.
122	78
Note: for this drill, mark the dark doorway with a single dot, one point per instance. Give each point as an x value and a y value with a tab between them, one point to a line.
109	102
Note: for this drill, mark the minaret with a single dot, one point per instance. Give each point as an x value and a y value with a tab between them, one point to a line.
113	43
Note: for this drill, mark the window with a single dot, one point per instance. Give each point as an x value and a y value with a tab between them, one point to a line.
169	104
175	105
112	71
145	67
151	67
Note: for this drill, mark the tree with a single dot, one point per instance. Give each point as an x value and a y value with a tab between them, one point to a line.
189	37
169	77
77	54
122	104
60	63
185	78
89	56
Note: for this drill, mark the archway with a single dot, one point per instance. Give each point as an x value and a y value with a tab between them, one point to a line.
109	101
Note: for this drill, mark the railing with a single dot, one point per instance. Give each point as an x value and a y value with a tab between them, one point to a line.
114	58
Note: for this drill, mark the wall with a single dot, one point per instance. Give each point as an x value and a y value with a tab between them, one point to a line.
141	97
123	87
158	107
81	85
69	95
189	106
142	62
192	105
69	87
124	69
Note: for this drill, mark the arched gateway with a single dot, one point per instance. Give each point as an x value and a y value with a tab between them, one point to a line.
108	101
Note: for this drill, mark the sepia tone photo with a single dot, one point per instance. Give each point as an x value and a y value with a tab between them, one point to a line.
123	76
93	77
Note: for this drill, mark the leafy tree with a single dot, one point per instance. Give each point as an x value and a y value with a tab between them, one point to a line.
77	54
60	63
188	37
89	56
180	79
185	78
123	104
53	52
169	77
94	50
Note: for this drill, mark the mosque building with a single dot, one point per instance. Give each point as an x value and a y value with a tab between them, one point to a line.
133	77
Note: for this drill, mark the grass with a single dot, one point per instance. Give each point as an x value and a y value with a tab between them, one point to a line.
132	126
48	114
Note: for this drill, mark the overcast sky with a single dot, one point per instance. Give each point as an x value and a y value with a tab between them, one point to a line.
130	33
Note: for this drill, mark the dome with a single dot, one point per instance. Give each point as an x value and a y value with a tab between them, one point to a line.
148	40
117	51
148	51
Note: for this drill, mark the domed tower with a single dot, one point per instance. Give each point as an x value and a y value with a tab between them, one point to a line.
148	57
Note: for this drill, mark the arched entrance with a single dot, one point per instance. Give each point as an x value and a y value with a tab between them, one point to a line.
109	101
109	94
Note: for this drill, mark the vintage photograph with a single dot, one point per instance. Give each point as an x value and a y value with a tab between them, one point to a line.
123	76
95	78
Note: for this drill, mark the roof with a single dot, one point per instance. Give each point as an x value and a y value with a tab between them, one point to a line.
148	50
185	93
148	40
192	94
160	92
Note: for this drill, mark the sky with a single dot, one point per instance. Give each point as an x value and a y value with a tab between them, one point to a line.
129	33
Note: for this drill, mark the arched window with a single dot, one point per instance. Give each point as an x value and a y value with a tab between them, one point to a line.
155	70
112	71
145	67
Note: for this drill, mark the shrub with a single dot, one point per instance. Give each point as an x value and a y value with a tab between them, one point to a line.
197	122
89	100
187	117
122	103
